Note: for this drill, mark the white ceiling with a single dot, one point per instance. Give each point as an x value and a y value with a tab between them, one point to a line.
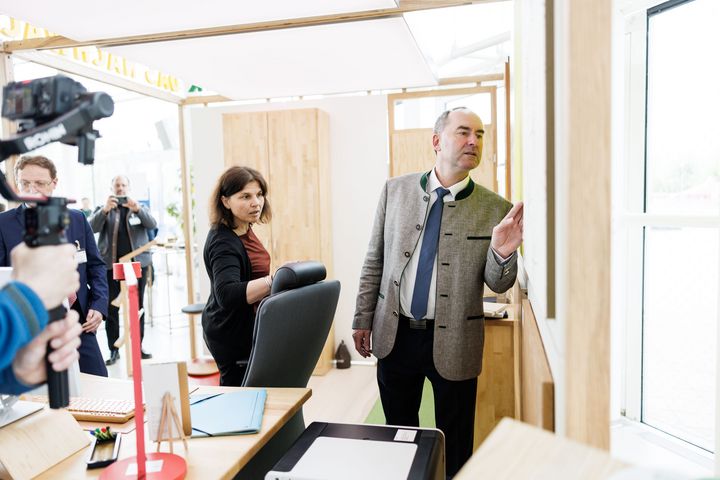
95	19
298	61
409	51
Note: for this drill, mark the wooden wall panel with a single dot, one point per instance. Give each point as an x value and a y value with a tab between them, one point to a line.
245	144
587	100
496	383
486	173
294	171
412	151
537	386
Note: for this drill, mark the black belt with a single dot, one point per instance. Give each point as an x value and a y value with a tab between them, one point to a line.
422	324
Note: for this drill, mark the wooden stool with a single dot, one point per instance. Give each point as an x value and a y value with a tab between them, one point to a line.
198	367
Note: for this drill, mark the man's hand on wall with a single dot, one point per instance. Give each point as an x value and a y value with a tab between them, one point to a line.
508	234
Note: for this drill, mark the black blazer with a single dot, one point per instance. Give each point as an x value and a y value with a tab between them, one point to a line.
227	319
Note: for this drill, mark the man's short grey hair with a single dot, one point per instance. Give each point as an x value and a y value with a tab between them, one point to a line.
442	119
127	179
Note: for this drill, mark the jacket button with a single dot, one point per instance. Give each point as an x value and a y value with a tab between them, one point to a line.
407	254
396	283
426	198
418	227
395	314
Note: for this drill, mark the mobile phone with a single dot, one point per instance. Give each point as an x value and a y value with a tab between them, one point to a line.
103	452
121	200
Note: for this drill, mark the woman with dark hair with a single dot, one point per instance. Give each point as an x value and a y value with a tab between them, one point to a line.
239	269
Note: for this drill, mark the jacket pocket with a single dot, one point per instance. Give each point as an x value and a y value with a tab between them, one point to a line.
476	317
479	237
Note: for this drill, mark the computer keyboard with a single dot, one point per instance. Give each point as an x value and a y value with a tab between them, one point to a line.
95	409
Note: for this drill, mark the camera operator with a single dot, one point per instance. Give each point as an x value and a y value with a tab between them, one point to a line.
123	225
38	175
42	278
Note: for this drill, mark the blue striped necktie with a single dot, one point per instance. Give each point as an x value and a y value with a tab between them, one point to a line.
426	262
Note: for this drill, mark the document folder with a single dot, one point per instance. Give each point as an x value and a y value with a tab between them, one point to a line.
233	413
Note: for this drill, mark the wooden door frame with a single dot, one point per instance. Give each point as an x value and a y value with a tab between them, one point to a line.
491	89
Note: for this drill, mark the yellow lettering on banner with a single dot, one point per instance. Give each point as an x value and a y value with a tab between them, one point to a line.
128	69
167	82
99	59
148	79
80	54
113	64
12	30
34	32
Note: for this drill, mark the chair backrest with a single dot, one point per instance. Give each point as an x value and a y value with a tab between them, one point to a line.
291	326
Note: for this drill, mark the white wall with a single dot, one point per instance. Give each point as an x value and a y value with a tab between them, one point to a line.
359	163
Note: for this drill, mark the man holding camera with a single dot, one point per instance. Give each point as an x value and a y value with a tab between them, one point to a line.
38	175
24	329
123	224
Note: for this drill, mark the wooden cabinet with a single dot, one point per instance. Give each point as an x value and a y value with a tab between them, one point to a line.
291	149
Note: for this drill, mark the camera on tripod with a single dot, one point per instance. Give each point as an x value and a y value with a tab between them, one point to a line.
36	103
51	109
40	100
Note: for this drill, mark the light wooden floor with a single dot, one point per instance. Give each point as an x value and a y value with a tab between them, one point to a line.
342	396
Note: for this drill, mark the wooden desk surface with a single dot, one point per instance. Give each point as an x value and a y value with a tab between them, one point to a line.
216	457
517	451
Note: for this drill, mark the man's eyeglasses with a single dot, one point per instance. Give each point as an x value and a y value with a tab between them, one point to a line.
25	184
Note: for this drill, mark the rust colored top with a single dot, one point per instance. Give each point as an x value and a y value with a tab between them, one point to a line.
259	257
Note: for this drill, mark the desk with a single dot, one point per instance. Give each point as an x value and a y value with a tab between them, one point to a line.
517	451
217	457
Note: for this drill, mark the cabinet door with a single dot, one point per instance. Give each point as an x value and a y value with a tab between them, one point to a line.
294	177
245	144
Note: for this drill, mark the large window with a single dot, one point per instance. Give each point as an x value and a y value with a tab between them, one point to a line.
680	217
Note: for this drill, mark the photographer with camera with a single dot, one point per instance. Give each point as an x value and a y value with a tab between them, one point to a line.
38	175
24	329
123	225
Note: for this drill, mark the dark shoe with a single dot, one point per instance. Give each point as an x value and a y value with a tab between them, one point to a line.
145	355
114	357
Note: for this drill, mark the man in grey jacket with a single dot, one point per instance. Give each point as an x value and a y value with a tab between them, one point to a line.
123	226
437	239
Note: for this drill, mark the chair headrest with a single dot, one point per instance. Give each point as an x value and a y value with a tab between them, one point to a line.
297	274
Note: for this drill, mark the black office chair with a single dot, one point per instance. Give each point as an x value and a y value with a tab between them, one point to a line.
291	327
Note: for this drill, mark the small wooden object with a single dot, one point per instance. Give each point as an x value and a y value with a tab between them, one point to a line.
168	418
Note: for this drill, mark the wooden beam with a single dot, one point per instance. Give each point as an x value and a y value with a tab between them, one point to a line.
490	77
508	136
51	43
204	100
187	213
587	138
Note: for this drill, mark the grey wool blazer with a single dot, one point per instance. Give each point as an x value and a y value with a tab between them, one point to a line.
465	263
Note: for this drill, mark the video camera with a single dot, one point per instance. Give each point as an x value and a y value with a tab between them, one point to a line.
51	109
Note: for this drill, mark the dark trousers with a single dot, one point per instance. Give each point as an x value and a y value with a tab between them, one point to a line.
112	323
401	376
91	360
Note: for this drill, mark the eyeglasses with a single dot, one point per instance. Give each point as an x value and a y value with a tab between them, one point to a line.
37	183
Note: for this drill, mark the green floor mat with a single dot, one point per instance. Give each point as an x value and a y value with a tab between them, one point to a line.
427	409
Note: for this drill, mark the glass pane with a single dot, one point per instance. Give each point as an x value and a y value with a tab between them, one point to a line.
683	98
422	112
680	305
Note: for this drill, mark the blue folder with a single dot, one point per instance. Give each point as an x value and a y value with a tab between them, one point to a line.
233	413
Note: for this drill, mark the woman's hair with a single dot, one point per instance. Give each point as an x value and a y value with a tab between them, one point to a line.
233	180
